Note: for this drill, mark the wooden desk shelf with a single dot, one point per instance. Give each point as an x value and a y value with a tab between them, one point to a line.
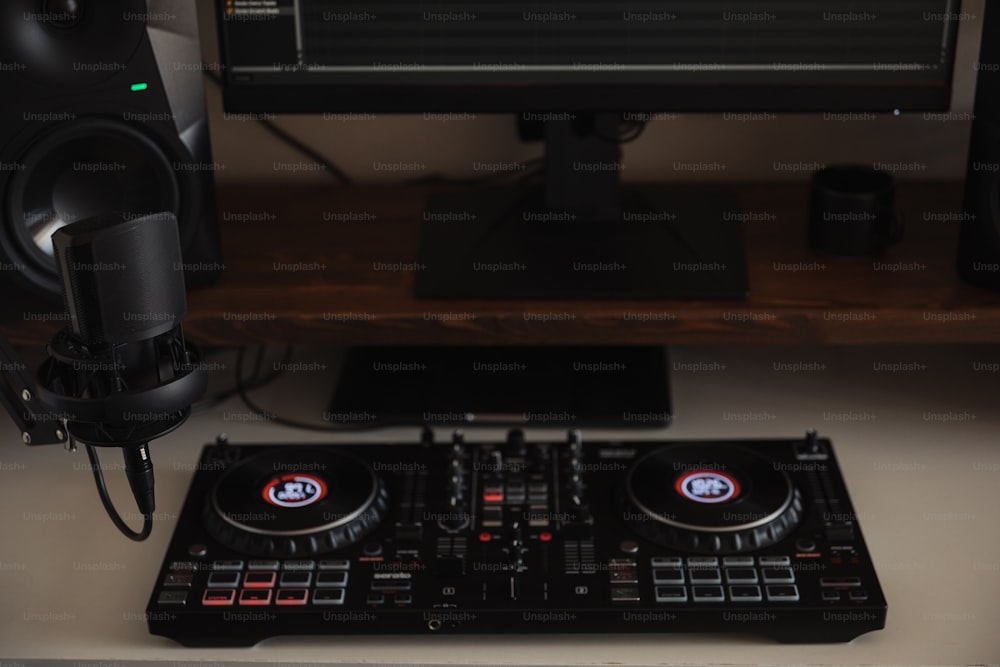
362	234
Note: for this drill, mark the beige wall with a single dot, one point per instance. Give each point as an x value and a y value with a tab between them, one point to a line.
748	149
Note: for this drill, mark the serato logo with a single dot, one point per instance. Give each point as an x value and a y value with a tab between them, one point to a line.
707	486
294	490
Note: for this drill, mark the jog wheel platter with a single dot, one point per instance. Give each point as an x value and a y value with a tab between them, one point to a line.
295	502
710	500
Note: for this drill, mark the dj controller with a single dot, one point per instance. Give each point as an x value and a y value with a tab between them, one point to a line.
563	536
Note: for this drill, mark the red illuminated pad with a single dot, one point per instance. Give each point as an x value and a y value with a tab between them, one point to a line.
218	598
255	597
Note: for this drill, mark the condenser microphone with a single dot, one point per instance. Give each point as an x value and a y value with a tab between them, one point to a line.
121	372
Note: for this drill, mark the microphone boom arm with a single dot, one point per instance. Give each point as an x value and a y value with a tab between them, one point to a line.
19	395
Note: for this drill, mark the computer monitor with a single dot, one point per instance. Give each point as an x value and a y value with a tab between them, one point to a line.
579	73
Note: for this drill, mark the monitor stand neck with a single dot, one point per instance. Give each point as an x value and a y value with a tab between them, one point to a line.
583	167
579	234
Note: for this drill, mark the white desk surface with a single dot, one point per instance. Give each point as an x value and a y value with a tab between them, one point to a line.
927	492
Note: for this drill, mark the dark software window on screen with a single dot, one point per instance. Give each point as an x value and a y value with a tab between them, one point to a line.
590	41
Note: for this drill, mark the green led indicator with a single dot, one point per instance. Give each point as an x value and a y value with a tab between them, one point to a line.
136	87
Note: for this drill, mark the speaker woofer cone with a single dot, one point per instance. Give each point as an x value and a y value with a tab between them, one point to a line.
72	47
79	169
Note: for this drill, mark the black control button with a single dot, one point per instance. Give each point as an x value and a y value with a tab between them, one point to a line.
178	580
329	596
626	576
376	598
778	575
745	593
335	565
831	596
782	593
708	594
224	580
859	595
741	575
709	575
840	582
176	598
403	598
671	594
331	579
391	585
670	575
292	596
296	578
372	549
625	594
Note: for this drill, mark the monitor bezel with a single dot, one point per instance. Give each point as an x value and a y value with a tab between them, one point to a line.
261	98
243	95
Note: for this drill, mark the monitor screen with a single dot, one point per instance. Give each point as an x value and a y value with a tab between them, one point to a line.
600	55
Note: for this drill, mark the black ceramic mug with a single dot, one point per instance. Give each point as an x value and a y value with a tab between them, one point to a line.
851	212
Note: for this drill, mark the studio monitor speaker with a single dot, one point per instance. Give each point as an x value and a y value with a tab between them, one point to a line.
103	110
979	240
